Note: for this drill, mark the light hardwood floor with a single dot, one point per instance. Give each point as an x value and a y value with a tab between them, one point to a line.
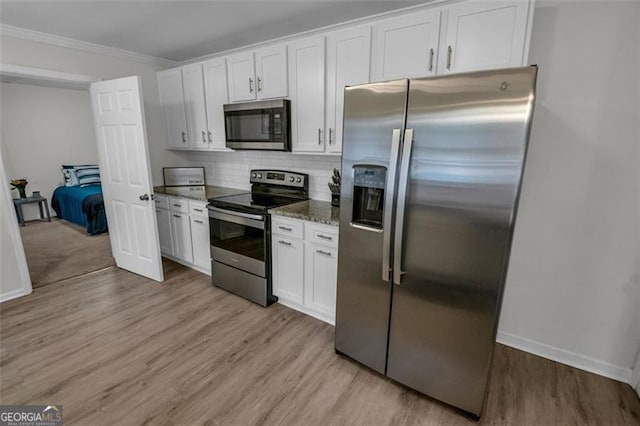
116	348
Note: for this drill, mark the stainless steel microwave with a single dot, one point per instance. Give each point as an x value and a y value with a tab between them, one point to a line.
262	125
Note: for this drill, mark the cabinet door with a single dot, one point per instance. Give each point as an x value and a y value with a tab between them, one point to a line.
271	72
321	275
241	72
172	101
406	46
164	231
200	242
306	77
485	35
193	83
348	64
216	95
181	232
287	268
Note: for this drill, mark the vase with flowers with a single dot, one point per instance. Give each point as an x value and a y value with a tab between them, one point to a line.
20	185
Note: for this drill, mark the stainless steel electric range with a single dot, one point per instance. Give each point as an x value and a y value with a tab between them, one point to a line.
240	233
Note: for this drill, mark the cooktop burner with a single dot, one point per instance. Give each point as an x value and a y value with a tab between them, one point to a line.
269	189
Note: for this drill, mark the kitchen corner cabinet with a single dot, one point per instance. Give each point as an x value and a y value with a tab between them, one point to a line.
406	46
305	266
484	35
259	74
172	100
183	228
348	64
307	91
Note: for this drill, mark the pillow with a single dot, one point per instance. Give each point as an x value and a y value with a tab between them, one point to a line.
72	173
88	175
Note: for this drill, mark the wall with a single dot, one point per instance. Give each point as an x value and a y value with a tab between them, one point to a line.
17	51
231	169
42	129
573	289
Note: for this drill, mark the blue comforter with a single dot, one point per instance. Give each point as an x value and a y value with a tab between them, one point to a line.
81	205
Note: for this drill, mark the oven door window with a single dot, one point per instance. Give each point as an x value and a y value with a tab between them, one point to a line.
237	238
250	126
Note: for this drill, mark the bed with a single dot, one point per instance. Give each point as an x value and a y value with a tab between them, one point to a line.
82	205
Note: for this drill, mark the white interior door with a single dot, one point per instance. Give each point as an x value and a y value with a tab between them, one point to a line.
126	181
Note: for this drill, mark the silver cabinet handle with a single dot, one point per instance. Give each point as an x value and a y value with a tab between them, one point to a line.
402	198
204	137
326	253
285	228
177	205
250	85
177	215
198	210
325	237
388	204
319	136
286	243
184	137
330	135
259	84
210	136
197	221
449	53
431	59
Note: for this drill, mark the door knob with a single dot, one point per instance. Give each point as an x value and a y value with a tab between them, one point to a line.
144	197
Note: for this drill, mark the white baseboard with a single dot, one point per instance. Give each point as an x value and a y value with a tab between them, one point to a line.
564	356
14	294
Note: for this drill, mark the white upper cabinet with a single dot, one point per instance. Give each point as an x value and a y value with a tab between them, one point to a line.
193	83
306	86
216	95
242	77
348	64
406	46
173	106
485	35
271	72
260	74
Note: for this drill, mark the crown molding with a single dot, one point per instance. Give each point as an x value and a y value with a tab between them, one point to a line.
56	40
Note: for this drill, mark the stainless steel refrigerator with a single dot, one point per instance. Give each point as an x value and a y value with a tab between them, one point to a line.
431	172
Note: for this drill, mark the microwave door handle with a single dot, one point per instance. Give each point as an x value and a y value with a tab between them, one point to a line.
388	204
402	198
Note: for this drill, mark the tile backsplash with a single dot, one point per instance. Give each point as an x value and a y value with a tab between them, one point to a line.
231	169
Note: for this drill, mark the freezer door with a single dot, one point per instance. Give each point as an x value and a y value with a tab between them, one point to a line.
374	116
465	163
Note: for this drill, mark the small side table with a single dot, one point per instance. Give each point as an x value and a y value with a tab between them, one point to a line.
42	205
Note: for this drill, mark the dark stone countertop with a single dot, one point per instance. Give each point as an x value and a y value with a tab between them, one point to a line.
311	210
199	193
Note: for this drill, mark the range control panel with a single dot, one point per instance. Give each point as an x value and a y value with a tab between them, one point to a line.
279	177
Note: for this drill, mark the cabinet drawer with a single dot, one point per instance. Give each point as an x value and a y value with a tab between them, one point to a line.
162	202
322	234
197	208
179	205
289	227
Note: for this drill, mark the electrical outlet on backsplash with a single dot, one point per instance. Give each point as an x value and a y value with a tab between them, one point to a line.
231	169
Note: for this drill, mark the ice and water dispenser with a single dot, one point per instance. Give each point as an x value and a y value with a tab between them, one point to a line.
368	195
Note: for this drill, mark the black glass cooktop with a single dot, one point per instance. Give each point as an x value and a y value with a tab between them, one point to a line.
251	203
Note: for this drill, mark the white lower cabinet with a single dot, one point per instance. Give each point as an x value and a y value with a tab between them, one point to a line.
304	270
183	228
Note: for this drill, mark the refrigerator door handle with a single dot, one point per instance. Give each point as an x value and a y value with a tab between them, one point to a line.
402	197
388	204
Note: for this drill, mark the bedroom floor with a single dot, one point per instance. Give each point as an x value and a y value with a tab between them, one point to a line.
116	348
59	250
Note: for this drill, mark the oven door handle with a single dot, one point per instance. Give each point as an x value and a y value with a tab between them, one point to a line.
246	219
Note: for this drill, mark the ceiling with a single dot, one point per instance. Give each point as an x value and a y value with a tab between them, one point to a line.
182	30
